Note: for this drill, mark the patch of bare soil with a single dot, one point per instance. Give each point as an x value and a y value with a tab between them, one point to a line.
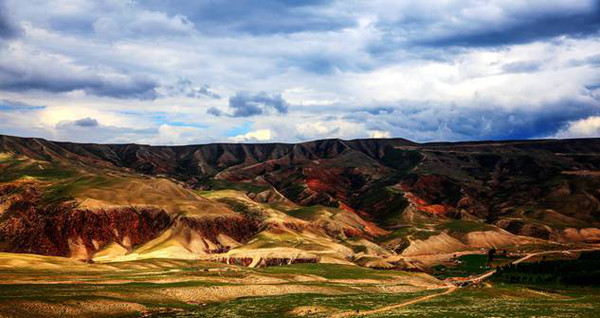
157	192
580	235
495	239
587	173
308	310
71	308
223	293
547	294
437	244
435	259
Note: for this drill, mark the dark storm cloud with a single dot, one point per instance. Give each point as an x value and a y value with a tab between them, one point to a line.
137	87
450	27
426	122
257	18
520	124
25	78
246	104
525	30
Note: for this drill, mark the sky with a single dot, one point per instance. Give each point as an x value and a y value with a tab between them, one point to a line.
185	72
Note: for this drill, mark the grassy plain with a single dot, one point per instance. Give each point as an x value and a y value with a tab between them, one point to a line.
53	287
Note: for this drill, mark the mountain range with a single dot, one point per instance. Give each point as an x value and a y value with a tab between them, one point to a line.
380	203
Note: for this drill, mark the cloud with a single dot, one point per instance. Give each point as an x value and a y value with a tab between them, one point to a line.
12	105
86	122
422	122
186	88
107	20
320	63
246	104
254	136
8	29
214	111
485	23
203	90
315	130
270	17
576	25
304	128
379	134
591	60
22	70
78	131
522	67
138	23
583	128
176	135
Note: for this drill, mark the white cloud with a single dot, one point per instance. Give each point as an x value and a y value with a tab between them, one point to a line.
585	128
324	129
379	134
176	135
254	136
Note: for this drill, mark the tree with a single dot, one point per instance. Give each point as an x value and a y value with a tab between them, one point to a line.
491	253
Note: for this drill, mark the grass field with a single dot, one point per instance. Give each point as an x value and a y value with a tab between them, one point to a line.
13	168
464	226
55	287
466	265
312	305
497	301
507	301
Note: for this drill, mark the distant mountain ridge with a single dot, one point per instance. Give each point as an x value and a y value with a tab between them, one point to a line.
216	155
146	158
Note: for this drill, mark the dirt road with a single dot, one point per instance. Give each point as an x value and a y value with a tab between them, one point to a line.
530	255
392	307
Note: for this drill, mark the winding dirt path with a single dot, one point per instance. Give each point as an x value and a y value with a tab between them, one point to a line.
530	255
